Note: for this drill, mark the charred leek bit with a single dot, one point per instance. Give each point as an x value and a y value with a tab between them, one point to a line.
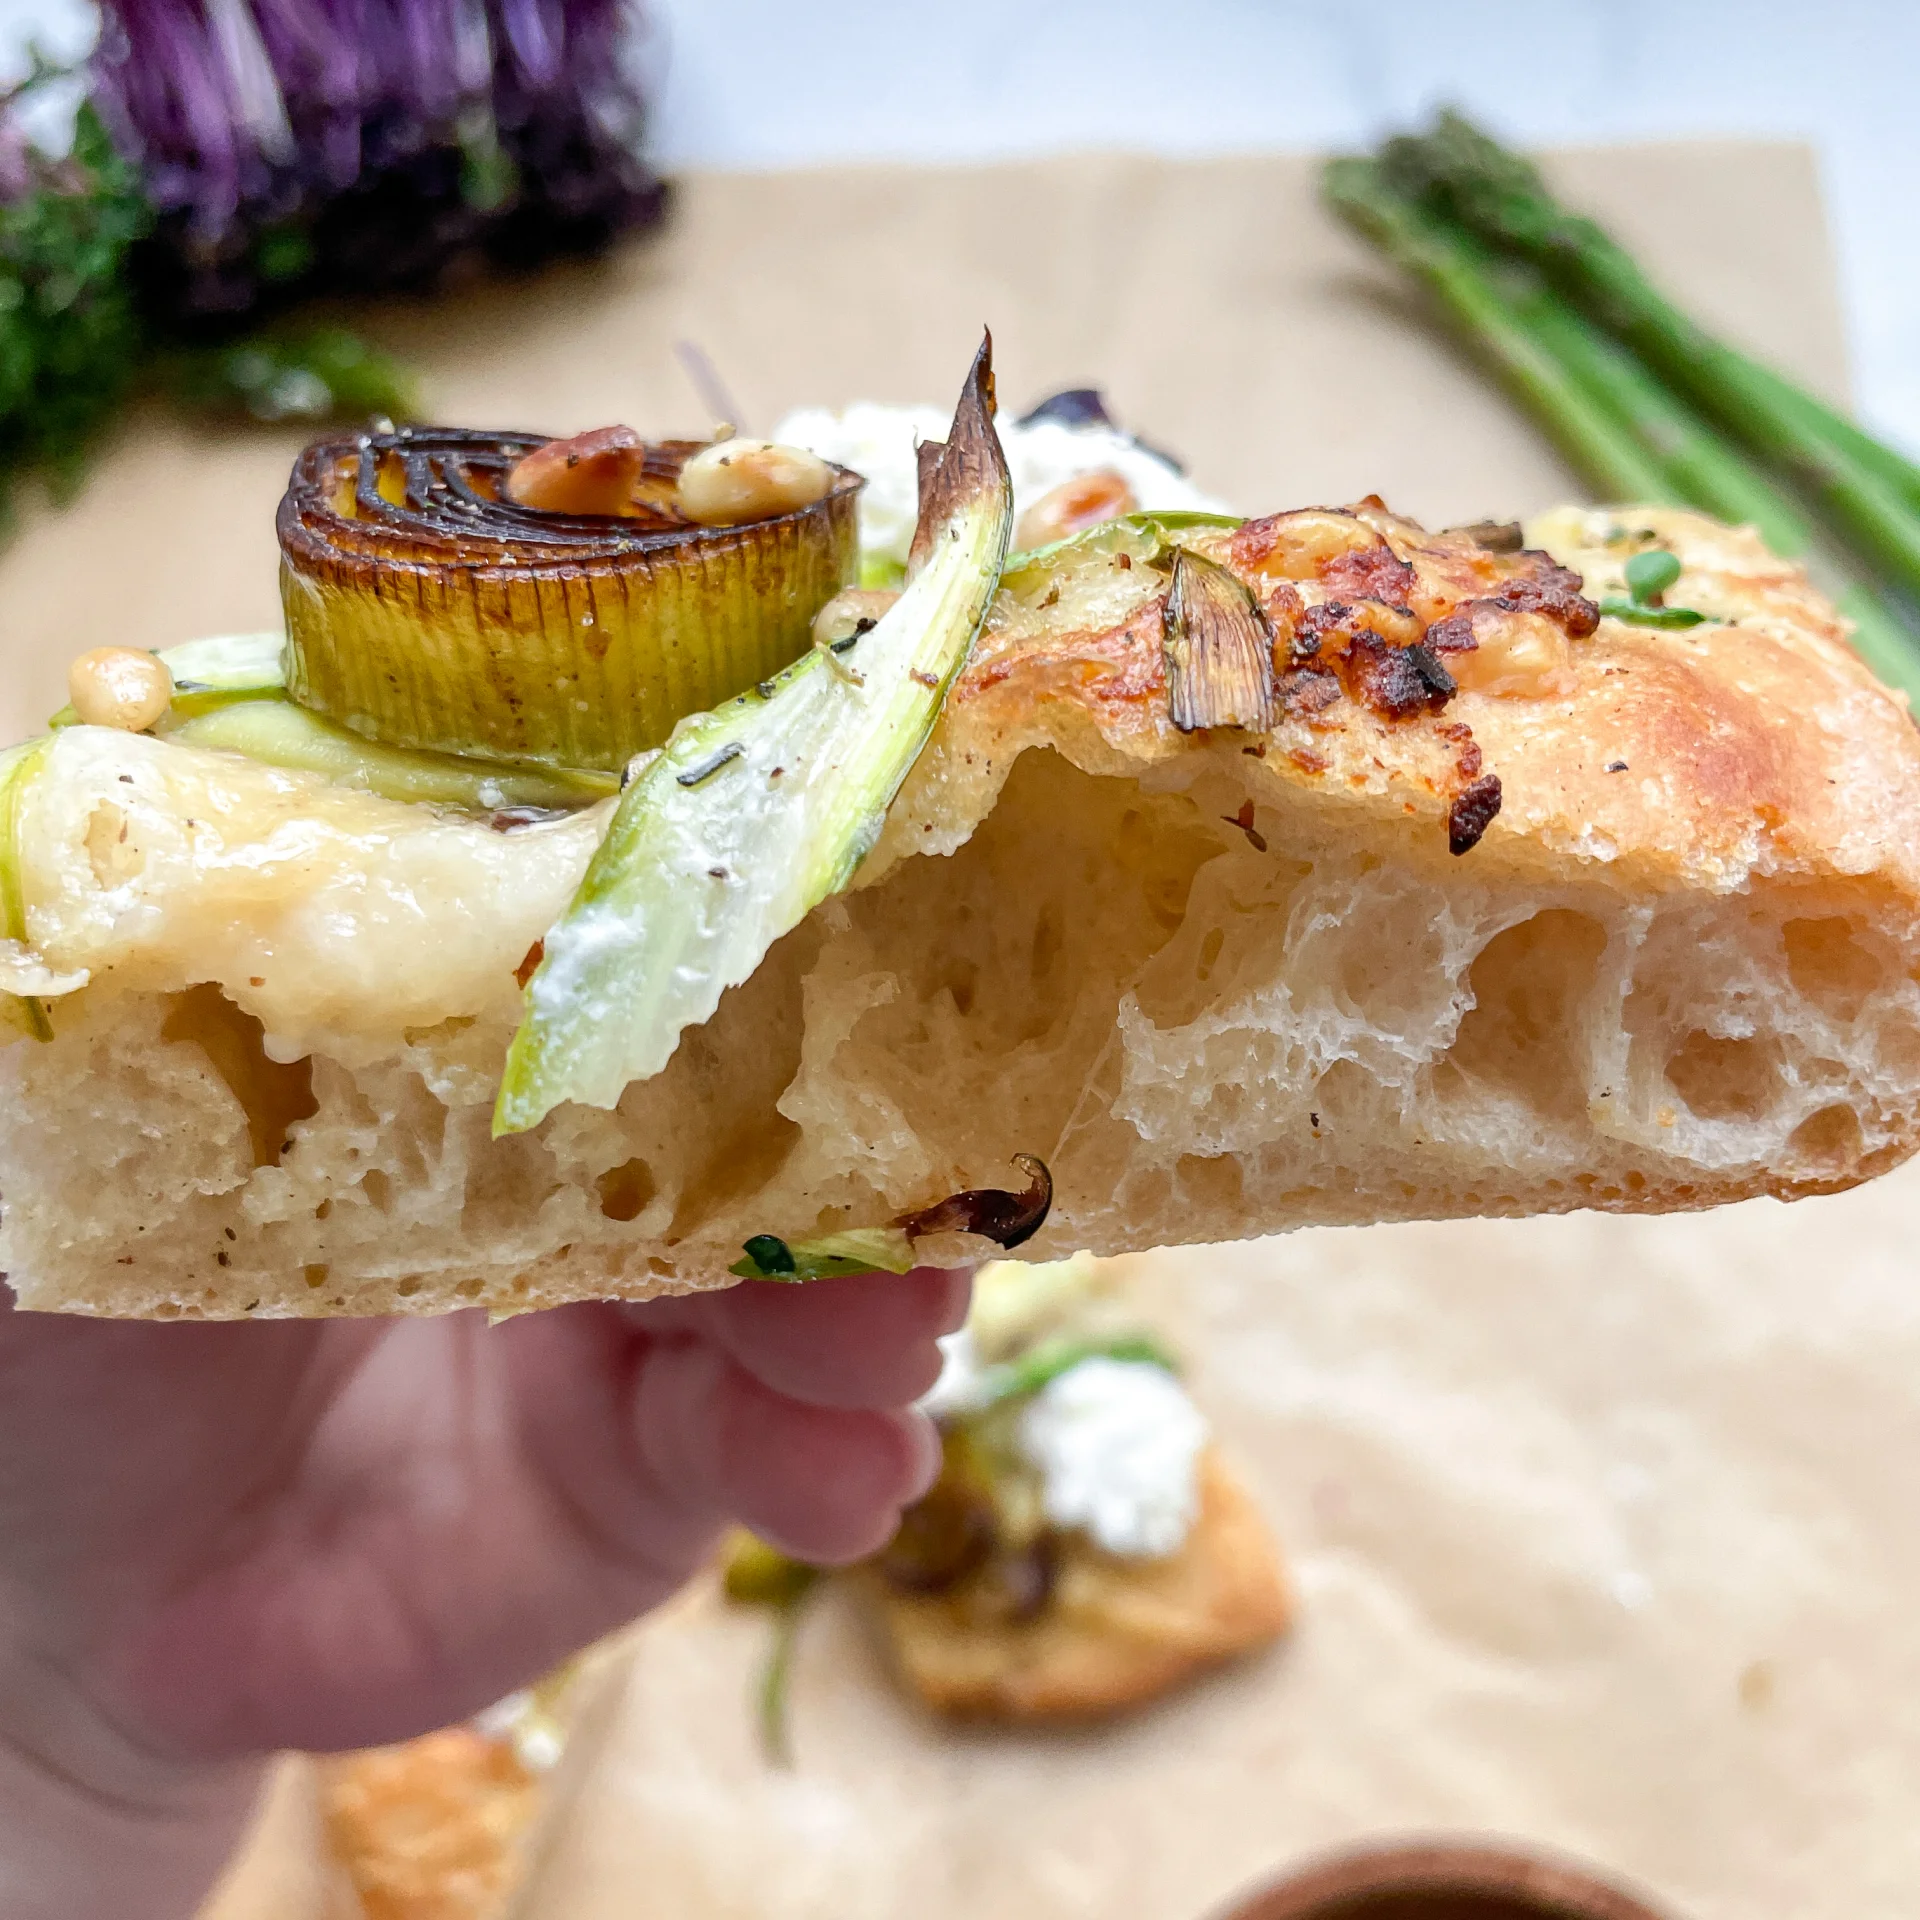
16	768
692	885
426	608
1219	650
1009	1219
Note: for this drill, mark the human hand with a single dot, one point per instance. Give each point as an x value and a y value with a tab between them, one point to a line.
220	1540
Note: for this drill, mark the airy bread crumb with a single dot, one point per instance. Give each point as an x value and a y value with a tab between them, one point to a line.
1222	986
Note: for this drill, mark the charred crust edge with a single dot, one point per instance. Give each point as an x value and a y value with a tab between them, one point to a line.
1472	813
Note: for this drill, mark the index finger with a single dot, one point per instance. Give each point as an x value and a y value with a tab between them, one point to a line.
858	1340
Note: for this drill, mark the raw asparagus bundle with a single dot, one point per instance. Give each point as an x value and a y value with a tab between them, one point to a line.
1636	395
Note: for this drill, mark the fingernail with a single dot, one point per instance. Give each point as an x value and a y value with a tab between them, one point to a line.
959	1300
932	1453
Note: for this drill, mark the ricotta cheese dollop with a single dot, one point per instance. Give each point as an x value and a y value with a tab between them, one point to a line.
1117	1446
526	1724
964	1385
879	441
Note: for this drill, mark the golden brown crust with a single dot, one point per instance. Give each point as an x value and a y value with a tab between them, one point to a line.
431	1829
1757	741
1115	1634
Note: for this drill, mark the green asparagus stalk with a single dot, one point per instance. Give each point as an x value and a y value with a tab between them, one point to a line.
1452	271
1502	195
1709	474
1868	492
1700	467
1822	422
1643	435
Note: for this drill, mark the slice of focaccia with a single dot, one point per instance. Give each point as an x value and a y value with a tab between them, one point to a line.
1427	891
1085	1548
446	1826
431	1829
1113	1633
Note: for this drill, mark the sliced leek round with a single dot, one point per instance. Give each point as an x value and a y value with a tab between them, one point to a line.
426	609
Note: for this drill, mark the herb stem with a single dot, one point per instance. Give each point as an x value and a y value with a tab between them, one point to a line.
775	1686
1043	1365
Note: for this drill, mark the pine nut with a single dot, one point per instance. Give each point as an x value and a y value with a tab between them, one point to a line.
117	687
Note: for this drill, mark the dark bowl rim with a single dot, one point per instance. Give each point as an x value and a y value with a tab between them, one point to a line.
1561	1887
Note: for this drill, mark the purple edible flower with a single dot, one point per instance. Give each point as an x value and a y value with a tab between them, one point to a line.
361	145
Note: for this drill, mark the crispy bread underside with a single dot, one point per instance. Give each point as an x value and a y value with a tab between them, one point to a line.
1116	1632
1223	984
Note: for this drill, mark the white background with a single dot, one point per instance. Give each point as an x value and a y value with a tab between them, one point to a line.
773	83
762	83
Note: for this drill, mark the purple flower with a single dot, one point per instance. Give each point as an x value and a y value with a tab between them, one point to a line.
356	145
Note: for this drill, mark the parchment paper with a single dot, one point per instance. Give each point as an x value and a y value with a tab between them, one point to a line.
1604	1537
1601	1527
1228	318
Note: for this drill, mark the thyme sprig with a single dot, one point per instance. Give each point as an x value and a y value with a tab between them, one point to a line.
70	335
75	345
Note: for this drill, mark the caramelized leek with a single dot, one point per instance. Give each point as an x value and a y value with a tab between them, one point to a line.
758	811
426	609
